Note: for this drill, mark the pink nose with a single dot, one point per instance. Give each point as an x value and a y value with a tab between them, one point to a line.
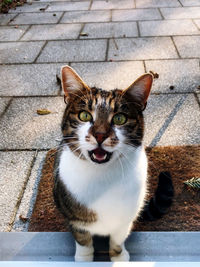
100	137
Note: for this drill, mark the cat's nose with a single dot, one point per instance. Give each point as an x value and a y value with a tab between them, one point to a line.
100	137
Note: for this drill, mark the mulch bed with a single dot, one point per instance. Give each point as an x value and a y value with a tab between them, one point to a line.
183	162
5	5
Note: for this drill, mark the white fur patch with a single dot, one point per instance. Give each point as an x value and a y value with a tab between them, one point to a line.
114	191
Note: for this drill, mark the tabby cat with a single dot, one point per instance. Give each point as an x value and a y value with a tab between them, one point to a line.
101	166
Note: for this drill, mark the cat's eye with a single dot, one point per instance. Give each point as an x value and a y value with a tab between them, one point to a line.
119	119
85	116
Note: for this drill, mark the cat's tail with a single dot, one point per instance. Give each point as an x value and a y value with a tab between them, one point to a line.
158	205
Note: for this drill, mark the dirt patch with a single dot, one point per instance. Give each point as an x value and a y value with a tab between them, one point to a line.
183	162
5	5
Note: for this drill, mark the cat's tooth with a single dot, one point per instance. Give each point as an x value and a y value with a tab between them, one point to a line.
94	156
105	156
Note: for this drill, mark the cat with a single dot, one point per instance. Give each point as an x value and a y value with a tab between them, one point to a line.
101	167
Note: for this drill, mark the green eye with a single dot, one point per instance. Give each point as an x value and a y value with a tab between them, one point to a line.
85	116
119	119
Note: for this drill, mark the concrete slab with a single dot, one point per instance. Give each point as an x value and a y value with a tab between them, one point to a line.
53	32
188	46
86	16
135	14
141	48
110	75
14	169
112	4
142	246
184	128
167	27
22	128
27	80
156	3
181	13
36	18
11	33
34	7
29	197
110	29
62	6
159	107
3	104
182	74
80	50
19	52
6	18
190	2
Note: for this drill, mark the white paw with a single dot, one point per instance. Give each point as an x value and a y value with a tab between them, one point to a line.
84	257
123	256
84	253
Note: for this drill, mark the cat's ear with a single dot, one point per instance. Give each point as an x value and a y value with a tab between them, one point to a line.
140	89
71	81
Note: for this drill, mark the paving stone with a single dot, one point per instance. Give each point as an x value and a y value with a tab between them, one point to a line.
5	18
190	2
19	52
181	13
113	4
3	104
62	6
55	31
185	126
36	18
188	46
135	14
86	16
14	168
141	48
111	29
34	7
26	80
22	128
156	3
30	194
80	50
156	113
197	21
10	33
167	27
110	75
183	74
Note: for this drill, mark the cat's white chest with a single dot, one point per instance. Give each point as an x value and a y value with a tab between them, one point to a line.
115	193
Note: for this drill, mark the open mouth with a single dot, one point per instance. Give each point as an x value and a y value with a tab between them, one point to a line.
99	155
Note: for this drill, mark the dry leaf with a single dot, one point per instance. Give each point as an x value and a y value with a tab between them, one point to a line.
43	111
23	219
84	34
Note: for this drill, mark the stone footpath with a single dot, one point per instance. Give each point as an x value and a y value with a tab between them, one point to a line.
109	43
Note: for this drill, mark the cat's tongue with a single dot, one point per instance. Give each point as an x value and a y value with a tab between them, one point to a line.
99	154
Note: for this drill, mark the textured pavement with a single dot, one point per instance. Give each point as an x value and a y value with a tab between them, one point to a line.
121	40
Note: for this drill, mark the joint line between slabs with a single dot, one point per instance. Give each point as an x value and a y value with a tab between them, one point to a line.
179	56
43	46
7	107
167	122
21	194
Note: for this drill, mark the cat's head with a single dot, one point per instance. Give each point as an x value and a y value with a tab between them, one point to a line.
101	126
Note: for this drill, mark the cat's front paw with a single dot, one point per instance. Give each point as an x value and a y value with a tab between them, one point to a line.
84	257
123	256
84	253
